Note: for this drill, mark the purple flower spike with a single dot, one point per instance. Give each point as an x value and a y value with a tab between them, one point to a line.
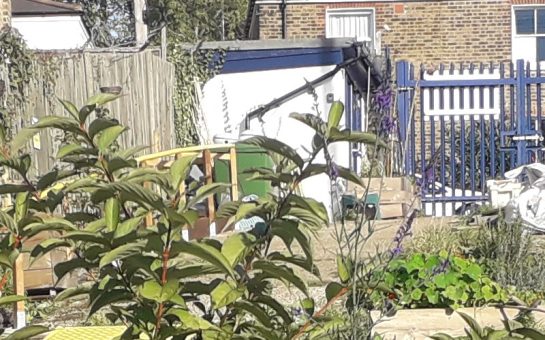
333	171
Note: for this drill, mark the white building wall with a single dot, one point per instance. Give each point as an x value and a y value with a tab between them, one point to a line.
227	99
52	32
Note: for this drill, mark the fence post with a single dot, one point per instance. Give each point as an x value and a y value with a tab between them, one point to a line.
403	110
522	157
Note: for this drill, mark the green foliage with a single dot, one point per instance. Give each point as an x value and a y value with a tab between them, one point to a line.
511	255
423	280
193	22
435	238
149	277
511	330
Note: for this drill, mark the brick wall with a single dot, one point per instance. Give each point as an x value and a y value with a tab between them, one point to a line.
5	12
431	32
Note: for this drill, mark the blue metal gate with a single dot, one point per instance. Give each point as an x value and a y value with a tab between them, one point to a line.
463	125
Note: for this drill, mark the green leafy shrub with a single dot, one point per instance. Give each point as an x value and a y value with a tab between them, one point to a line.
153	281
511	257
423	280
434	239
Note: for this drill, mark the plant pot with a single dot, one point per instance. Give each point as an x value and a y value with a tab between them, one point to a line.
111	89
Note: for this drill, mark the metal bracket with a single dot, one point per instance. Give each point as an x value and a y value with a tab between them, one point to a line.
536	137
405	88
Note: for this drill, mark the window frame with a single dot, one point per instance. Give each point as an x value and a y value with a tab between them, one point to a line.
535	35
533	7
369	11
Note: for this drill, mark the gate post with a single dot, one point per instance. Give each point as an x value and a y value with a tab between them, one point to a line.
403	110
520	118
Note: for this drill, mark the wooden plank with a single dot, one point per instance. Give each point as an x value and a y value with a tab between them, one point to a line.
208	178
149	216
19	289
234	173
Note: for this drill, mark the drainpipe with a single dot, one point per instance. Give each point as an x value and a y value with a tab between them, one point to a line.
284	19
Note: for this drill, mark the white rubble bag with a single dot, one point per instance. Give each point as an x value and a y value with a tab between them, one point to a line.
529	206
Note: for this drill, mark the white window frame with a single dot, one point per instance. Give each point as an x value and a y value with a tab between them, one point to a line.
369	11
534	36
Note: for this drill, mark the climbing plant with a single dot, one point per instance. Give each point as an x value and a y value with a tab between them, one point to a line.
192	22
18	60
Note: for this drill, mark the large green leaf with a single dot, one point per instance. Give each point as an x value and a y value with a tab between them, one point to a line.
344	269
87	236
72	292
13	188
70	108
236	246
282	273
130	152
45	247
58	122
191	321
21	164
112	208
332	290
106	298
8	300
100	124
311	205
317	169
530	333
288	231
313	121
296	260
101	99
63	268
126	227
108	136
6	221
75	149
122	252
34	229
205	252
276	306
306	217
225	294
180	170
153	290
183	272
27	333
21	139
130	192
51	177
21	205
255	310
473	325
206	191
356	137
277	147
335	114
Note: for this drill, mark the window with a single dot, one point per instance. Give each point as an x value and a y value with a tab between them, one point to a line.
351	23
529	33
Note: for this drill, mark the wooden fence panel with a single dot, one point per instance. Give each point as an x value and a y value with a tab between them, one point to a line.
146	105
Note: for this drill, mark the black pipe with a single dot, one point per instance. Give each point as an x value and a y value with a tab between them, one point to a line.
258	113
283	9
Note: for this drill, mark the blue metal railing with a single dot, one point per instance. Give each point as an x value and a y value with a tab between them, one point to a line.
461	126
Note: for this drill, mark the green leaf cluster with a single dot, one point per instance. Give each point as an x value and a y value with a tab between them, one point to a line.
440	280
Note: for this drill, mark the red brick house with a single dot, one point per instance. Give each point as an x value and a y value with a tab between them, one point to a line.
419	31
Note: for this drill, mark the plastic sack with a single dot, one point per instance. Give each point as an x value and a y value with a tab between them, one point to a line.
529	206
